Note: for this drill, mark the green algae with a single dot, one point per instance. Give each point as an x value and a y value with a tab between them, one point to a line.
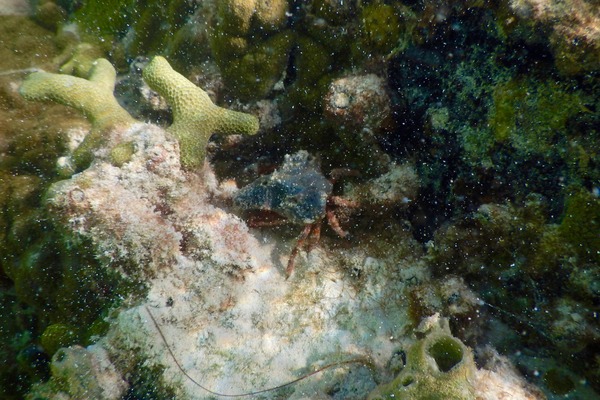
333	11
314	65
39	267
580	225
121	30
499	235
122	153
384	28
251	71
558	381
65	288
30	44
49	14
156	23
18	323
56	336
104	19
532	116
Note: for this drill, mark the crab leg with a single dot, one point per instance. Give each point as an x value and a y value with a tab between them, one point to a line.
334	223
314	237
299	243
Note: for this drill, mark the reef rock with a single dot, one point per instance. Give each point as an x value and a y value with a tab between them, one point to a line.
216	292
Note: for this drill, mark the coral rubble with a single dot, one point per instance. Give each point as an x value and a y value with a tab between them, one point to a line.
205	270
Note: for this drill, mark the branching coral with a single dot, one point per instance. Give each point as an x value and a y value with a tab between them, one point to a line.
195	116
93	97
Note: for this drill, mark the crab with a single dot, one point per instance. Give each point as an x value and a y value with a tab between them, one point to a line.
299	193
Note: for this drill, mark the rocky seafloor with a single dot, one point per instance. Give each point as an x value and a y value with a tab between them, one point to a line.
445	153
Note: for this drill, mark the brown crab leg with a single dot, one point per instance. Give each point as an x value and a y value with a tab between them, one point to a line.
334	223
314	237
299	243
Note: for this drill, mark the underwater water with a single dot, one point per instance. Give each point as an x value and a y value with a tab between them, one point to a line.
318	199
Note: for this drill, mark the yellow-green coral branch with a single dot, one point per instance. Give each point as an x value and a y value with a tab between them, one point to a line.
195	117
93	97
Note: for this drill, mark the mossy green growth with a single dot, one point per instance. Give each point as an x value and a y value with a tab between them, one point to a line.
313	66
251	45
18	323
532	116
126	29
195	117
254	74
53	272
384	29
122	153
157	24
96	330
438	367
49	14
56	336
500	236
105	18
580	225
549	249
93	97
333	11
559	382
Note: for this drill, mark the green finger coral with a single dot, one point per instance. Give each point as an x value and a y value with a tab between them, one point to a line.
93	97
195	117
